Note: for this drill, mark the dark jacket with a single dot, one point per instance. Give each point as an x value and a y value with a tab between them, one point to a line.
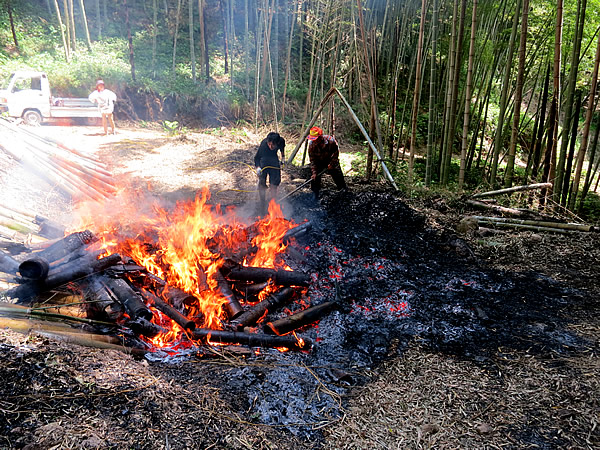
323	152
266	157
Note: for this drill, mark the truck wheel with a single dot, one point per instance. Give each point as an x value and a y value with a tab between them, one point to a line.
32	117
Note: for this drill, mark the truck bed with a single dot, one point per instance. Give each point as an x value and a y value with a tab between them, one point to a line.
74	107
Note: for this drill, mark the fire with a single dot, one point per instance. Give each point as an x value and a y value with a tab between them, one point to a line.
270	238
185	247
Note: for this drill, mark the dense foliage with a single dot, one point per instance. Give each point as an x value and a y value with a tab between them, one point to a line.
275	60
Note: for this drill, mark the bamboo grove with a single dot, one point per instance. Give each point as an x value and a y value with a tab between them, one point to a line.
453	92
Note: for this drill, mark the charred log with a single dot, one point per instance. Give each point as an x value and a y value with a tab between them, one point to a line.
129	298
102	300
298	320
177	297
251	339
8	264
270	304
144	327
35	268
48	228
298	231
67	245
260	274
169	311
72	271
232	306
251	290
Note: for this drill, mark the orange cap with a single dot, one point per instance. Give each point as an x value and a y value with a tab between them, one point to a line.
315	132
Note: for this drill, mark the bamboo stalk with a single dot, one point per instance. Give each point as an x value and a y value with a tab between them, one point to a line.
530	227
497	208
272	302
510	190
539	223
251	339
290	323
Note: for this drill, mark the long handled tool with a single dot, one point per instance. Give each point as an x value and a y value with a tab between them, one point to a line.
301	186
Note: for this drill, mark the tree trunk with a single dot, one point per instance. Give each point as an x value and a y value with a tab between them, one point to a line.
175	35
203	47
498	141
288	65
537	148
154	35
586	131
469	88
12	25
451	118
129	40
573	141
247	48
62	31
85	25
224	11
67	26
370	75
591	171
72	25
192	45
416	95
99	19
552	145
510	162
570	98
432	79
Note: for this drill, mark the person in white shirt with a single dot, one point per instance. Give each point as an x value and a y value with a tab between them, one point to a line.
105	99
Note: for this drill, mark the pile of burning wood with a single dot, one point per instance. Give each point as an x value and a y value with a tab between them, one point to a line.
115	290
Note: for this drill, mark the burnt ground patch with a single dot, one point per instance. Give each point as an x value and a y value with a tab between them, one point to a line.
476	311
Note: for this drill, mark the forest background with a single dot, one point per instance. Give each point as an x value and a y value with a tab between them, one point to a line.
455	95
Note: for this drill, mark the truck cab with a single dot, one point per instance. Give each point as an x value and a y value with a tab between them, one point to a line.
27	94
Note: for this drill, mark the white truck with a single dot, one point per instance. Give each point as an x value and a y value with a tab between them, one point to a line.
27	95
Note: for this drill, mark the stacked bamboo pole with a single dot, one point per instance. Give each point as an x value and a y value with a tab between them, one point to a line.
75	173
535	225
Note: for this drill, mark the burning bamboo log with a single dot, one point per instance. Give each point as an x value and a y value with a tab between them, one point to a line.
8	264
232	306
271	303
67	245
298	320
103	299
72	271
35	268
144	327
251	290
261	274
297	231
251	339
169	311
130	299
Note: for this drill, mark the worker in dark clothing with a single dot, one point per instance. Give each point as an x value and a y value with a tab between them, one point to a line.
267	165
323	152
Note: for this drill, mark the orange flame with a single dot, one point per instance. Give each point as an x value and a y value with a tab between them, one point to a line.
185	247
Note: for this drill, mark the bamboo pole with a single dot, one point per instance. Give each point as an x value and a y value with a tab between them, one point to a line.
529	227
497	208
510	190
539	223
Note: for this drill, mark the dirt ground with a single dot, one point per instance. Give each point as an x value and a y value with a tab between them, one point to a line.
526	376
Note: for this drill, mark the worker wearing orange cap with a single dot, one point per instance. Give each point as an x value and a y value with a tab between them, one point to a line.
323	152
